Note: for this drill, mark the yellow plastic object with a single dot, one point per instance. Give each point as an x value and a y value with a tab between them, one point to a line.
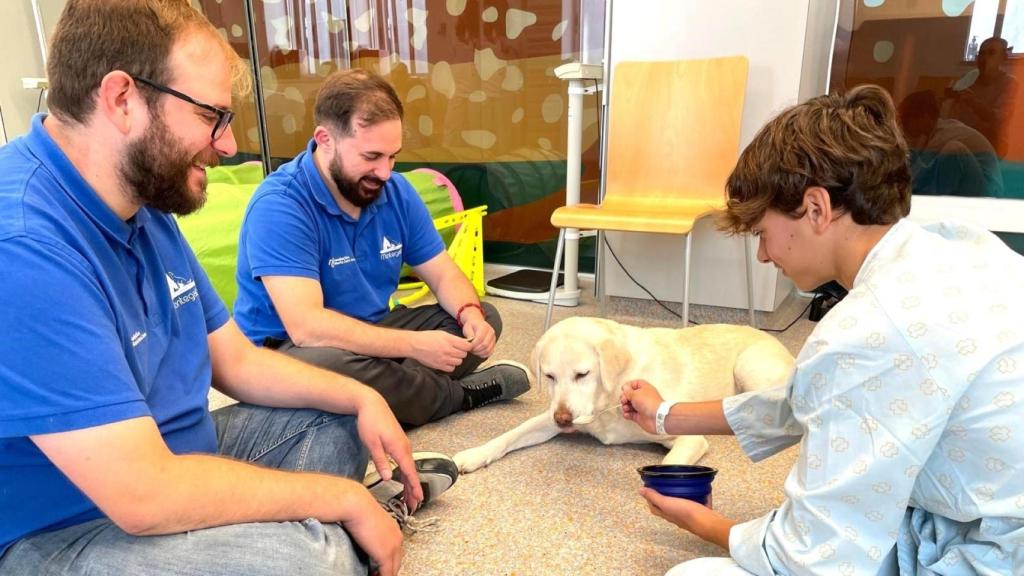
466	249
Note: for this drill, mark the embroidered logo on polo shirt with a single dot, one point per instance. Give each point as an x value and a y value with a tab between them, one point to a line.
182	291
340	260
137	338
389	249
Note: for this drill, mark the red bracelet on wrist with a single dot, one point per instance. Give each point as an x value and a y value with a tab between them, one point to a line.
458	315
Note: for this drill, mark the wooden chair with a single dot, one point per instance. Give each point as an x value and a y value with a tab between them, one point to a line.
672	139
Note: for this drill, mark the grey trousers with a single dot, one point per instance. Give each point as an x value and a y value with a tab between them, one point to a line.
416	394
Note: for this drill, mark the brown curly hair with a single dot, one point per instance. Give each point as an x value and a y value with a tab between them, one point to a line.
849	144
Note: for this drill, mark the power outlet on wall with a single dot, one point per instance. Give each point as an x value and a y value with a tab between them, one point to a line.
35	83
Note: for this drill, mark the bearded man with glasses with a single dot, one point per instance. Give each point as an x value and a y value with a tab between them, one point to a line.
112	462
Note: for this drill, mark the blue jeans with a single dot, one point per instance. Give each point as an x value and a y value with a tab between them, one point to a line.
274	438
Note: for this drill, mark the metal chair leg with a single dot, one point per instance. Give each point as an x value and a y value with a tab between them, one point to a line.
686	281
599	287
750	279
554	277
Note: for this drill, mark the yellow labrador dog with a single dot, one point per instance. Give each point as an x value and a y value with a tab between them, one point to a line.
583	363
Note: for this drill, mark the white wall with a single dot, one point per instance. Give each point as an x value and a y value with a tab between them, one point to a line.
21	59
788	45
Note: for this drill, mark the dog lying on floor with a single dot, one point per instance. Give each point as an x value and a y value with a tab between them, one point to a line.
583	363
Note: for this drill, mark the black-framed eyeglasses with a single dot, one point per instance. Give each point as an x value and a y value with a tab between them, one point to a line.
224	117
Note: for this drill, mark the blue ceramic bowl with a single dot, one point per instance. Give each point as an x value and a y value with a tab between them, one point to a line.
679	481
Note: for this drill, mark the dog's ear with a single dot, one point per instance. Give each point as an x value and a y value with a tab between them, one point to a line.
614	359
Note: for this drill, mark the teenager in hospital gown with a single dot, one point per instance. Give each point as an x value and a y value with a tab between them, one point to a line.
908	398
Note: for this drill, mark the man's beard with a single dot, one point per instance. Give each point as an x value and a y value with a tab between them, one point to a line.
350	189
156	170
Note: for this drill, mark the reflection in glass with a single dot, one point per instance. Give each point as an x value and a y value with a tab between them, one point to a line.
983	22
956	81
985	97
482	104
947	157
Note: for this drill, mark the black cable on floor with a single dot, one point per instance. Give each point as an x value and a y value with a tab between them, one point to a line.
677	314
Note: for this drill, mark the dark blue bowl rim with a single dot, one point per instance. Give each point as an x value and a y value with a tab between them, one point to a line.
673	471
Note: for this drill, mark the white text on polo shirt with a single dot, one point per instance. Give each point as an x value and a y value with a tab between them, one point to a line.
389	249
340	260
137	338
182	291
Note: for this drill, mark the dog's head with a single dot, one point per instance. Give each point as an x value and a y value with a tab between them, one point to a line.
580	361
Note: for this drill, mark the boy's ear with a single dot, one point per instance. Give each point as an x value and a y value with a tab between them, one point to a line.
818	207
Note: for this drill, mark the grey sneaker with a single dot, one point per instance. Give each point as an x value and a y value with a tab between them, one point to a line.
503	380
437	473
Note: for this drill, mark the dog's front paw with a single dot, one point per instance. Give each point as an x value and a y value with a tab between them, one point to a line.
472	459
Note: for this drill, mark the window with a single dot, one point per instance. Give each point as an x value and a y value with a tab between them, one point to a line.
985	24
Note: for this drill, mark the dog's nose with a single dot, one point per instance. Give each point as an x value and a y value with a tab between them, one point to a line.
563	417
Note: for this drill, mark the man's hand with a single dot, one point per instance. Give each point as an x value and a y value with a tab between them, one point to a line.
384	437
690	516
640	403
479	333
377	533
438	349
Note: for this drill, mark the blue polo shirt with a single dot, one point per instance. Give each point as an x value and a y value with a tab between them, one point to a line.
294	227
104	320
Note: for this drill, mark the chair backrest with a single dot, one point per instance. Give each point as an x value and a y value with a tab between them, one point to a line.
674	130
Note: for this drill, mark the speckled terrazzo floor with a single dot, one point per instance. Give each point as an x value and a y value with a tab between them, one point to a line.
569	507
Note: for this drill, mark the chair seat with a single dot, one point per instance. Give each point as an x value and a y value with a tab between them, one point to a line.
667	217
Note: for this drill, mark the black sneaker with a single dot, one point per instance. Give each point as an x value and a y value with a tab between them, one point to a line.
503	380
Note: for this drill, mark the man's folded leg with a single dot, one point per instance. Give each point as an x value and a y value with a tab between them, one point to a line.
416	394
99	548
292	439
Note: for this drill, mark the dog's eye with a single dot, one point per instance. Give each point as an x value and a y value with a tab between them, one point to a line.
550	377
582	375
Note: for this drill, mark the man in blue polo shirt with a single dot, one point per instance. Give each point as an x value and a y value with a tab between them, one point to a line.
320	253
110	462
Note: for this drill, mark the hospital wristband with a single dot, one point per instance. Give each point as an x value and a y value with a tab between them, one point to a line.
458	315
659	416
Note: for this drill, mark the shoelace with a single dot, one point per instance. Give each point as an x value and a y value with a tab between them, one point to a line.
400	512
489	384
492	388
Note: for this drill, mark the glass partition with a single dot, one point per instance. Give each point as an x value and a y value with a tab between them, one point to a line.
482	102
953	68
955	82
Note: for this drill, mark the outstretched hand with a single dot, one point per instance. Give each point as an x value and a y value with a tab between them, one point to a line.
640	403
384	437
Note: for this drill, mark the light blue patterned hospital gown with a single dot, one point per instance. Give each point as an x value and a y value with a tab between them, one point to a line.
908	403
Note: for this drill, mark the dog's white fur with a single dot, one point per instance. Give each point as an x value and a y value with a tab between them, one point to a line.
583	363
